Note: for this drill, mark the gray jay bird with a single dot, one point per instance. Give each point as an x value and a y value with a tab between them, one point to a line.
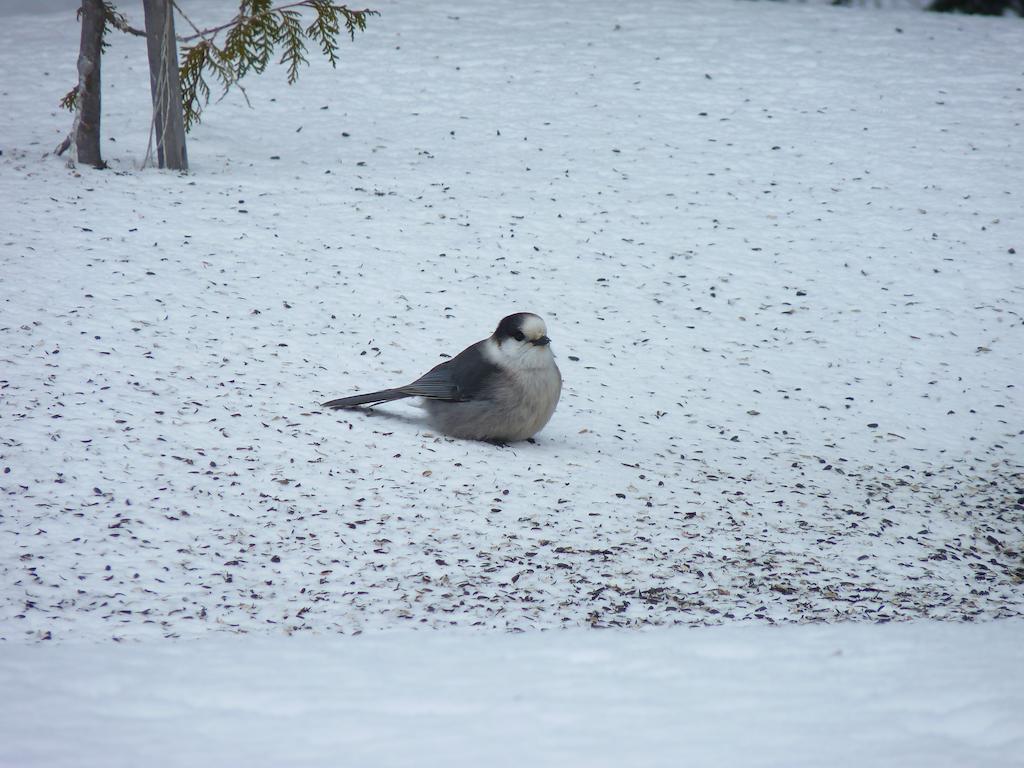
501	389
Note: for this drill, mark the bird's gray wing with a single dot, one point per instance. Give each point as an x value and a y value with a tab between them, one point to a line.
370	398
467	376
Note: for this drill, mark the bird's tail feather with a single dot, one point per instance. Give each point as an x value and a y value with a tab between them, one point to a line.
384	396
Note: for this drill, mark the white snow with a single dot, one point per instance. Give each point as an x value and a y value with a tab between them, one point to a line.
777	250
840	695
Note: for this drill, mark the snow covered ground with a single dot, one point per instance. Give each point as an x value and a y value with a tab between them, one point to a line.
840	695
777	248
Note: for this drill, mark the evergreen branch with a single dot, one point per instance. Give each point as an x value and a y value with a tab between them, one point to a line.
355	20
251	38
290	36
358	18
70	100
324	30
249	43
195	93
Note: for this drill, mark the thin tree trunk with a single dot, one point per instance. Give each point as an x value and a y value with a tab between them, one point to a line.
87	120
168	123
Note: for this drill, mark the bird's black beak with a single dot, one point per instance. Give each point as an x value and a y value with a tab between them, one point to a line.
543	341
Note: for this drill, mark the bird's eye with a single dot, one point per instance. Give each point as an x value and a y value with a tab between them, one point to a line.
518	336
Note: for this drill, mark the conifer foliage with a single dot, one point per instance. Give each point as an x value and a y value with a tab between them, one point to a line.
250	42
225	54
